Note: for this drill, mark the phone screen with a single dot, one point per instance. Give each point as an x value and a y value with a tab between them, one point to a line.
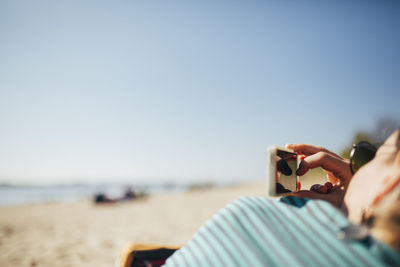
285	175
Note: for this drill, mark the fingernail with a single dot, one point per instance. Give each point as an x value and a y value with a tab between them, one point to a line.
315	187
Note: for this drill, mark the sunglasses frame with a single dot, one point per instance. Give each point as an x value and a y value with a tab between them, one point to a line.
364	144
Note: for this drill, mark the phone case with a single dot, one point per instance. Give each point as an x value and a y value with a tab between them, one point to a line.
271	169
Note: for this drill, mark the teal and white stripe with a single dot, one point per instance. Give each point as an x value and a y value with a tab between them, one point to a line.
256	231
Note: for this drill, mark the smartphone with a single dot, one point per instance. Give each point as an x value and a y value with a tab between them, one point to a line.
282	164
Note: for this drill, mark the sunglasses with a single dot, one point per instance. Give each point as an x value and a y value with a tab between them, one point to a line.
362	153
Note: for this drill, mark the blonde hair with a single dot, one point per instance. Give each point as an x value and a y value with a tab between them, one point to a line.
384	219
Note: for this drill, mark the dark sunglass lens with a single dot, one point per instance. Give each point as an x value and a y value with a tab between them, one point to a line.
362	155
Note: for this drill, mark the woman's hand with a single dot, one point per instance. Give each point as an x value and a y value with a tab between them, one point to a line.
327	192
337	169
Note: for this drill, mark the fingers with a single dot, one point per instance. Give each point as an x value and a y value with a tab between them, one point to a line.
308	150
334	196
337	166
322	189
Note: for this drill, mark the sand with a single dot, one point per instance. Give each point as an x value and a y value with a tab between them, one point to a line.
84	234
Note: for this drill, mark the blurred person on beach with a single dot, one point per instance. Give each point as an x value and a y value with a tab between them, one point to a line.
352	220
102	198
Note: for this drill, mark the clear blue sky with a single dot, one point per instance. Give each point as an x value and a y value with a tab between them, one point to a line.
154	91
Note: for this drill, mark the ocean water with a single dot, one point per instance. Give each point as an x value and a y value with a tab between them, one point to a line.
17	195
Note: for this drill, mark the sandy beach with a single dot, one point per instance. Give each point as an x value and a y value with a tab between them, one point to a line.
84	234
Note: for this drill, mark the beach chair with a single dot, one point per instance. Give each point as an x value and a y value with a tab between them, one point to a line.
145	255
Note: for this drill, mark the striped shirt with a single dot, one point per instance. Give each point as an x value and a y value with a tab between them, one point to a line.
291	231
